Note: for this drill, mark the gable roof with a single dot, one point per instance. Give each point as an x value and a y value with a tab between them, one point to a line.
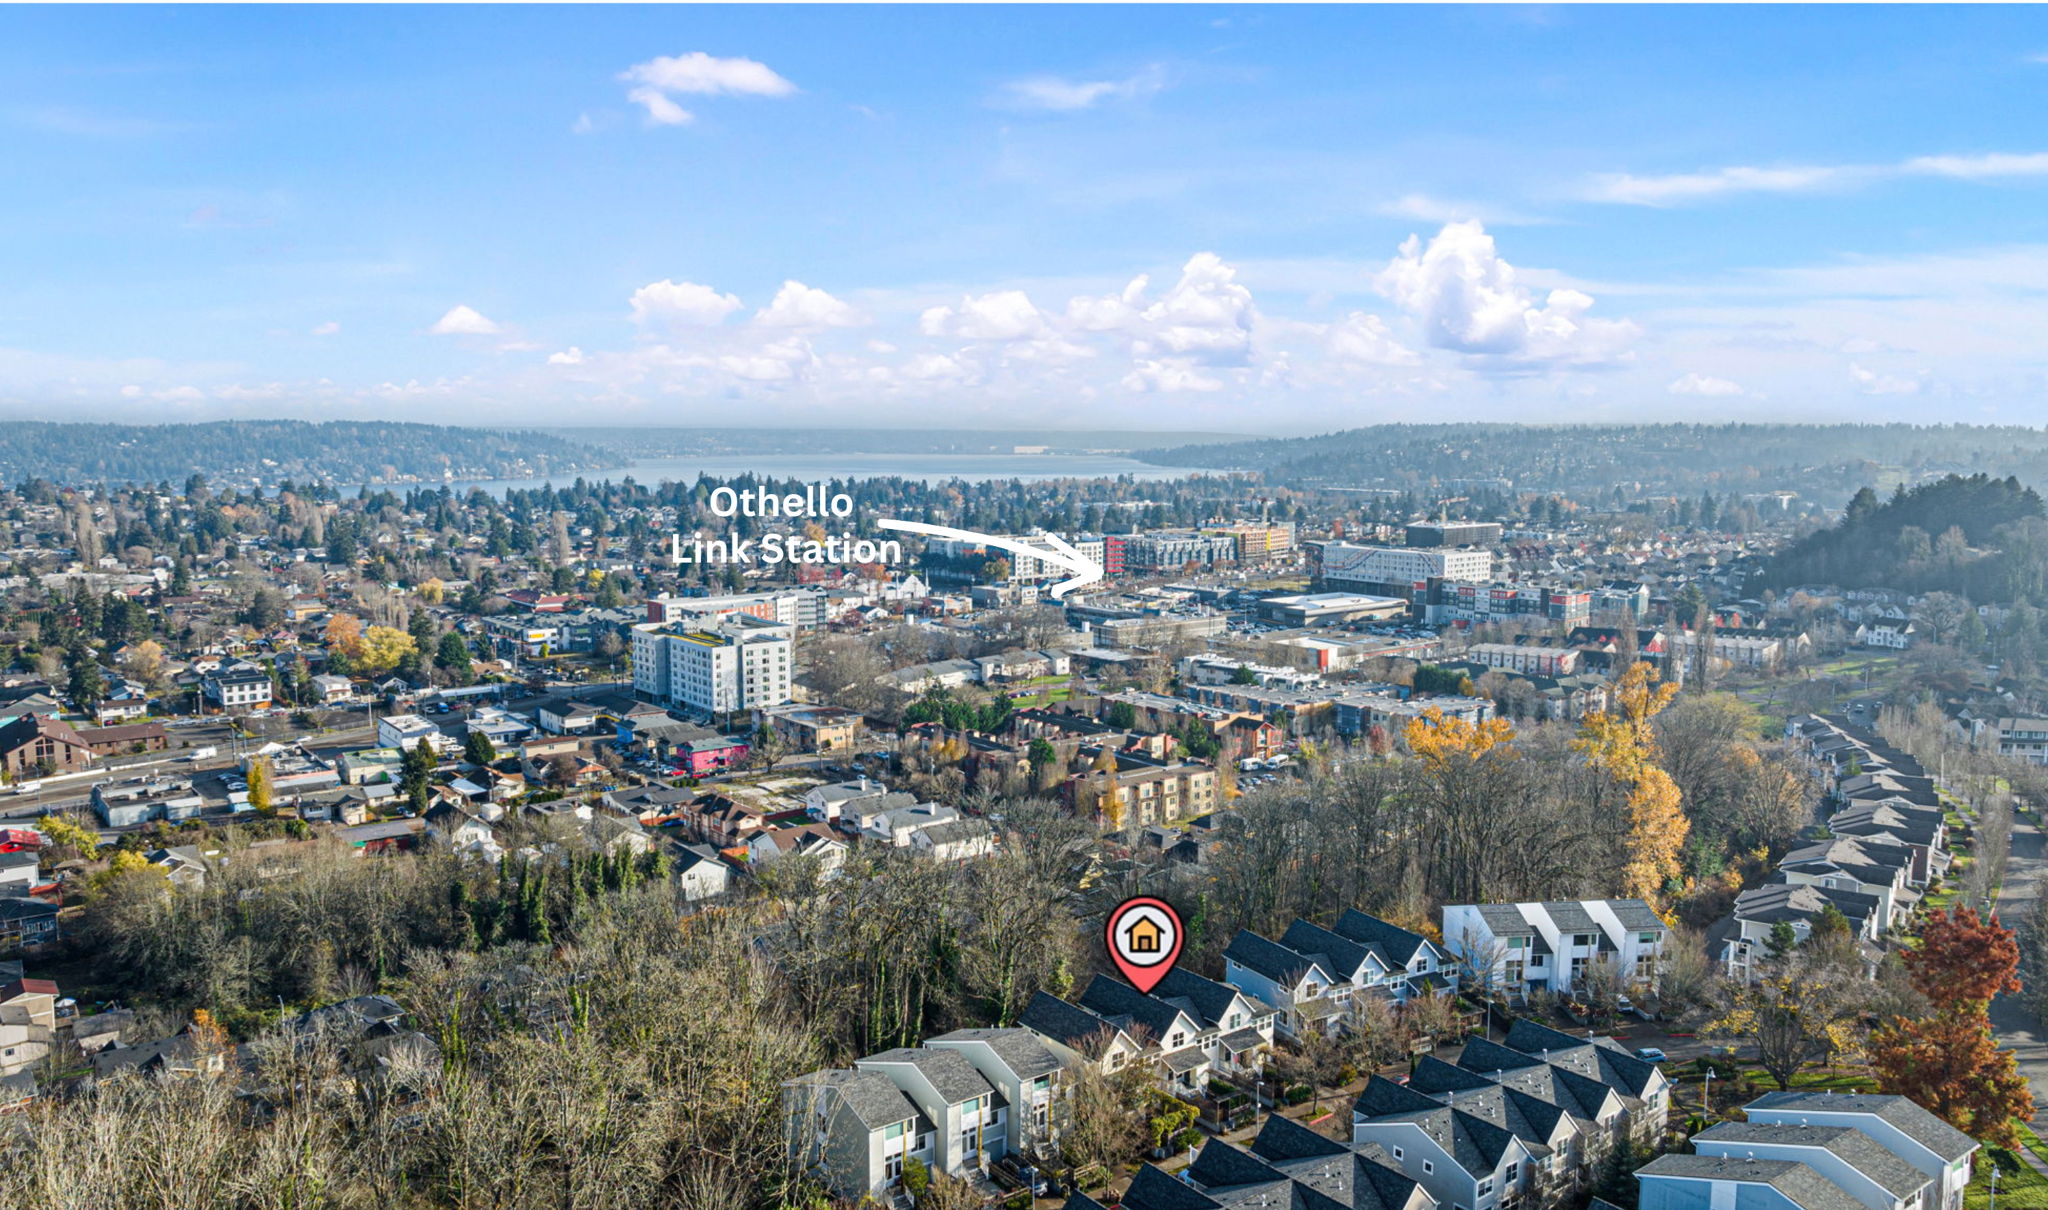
872	1096
1913	1121
1269	958
1804	1187
1396	942
948	1071
1863	1153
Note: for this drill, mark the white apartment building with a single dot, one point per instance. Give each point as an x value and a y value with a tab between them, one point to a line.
742	663
1522	947
1397	570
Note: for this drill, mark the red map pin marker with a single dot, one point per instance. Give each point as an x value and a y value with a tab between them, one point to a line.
1144	937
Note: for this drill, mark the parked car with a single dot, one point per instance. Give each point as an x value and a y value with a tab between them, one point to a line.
1650	1054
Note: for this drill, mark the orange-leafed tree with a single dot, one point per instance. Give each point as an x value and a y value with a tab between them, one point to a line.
1963	959
1622	741
1949	1062
345	634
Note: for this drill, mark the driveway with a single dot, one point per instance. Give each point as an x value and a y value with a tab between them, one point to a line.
2011	1019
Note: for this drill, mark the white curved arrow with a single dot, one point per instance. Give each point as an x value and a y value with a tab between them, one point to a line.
1085	569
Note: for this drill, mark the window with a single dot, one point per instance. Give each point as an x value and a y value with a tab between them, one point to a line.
1428	1167
1397	1153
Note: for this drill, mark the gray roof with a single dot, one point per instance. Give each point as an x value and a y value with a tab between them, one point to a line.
872	1096
948	1071
1019	1049
1570	917
1863	1153
1504	919
1070	1025
1804	1187
1637	916
1913	1121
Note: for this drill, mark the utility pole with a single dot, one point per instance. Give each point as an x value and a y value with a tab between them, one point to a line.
1707	1094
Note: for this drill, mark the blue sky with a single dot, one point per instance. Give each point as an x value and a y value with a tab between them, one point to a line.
854	215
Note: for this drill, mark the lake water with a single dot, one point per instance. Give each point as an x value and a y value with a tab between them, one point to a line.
821	468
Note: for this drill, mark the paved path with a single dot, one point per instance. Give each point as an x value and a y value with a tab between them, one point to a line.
2013	1021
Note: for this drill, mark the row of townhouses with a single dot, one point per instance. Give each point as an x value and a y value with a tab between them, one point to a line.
1798	1150
1886	842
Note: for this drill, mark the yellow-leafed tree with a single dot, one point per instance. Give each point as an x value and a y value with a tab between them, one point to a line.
384	646
260	793
1622	741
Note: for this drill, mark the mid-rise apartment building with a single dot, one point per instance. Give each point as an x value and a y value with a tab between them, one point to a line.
1394	571
742	663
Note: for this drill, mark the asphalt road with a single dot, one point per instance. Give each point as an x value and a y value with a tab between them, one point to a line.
2011	1019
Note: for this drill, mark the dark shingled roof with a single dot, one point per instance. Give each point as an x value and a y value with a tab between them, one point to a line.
1268	958
1804	1187
1913	1121
1396	942
1357	1175
1152	1189
1210	1000
1342	953
1068	1024
1111	1000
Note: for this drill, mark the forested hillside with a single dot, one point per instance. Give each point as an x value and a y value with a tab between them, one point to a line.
1827	461
1978	536
267	451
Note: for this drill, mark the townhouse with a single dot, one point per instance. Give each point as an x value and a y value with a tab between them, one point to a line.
846	1125
1525	1122
1188	1027
1286	1165
1866	865
1744	938
1027	1076
1460	1159
1846	1156
1517	948
1313	975
1930	1145
1805	1150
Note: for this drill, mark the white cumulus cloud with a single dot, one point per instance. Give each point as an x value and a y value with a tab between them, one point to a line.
463	321
1000	315
571	356
797	305
1467	299
681	302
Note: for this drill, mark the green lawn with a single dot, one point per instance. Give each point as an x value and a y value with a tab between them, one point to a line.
2019	1186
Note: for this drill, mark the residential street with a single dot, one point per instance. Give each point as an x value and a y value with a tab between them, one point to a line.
2010	1016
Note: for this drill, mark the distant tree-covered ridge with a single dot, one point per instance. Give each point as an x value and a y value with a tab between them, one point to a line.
1982	537
267	451
1824	461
